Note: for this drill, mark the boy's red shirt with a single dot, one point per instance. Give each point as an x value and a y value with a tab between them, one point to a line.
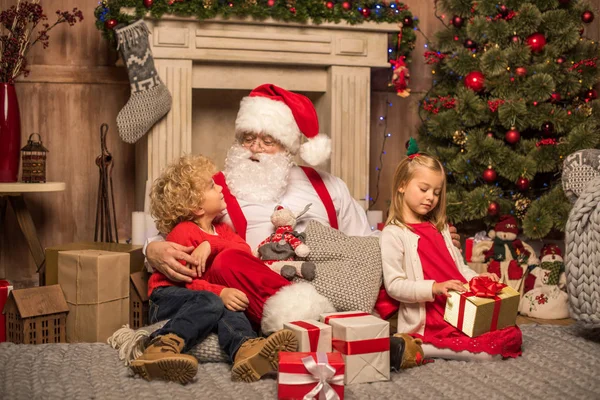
189	234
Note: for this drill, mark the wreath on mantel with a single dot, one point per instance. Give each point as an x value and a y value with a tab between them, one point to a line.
108	14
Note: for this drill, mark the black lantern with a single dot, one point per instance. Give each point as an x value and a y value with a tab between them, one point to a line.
33	156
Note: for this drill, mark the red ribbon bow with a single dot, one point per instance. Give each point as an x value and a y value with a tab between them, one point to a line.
483	286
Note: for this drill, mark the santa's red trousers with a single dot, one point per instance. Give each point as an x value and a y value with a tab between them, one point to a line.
239	270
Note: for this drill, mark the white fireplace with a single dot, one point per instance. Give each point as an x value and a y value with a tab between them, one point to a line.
210	65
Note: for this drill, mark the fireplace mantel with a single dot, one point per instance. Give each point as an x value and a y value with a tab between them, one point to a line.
332	60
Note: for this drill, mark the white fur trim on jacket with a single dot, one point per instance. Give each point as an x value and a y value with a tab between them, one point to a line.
316	150
269	117
298	301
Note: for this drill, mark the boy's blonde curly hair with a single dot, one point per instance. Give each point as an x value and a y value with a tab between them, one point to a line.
179	191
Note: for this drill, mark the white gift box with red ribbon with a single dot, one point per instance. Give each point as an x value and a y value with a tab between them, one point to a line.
313	336
310	376
364	341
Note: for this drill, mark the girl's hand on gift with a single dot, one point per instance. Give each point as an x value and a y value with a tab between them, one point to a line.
442	288
234	299
491	275
200	254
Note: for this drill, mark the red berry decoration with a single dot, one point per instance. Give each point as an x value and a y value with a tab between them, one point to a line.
490	134
503	10
148	3
587	17
329	4
489	175
591	95
271	3
560	60
513	136
457	21
475	81
407	21
110	24
493	209
548	128
521	71
522	184
469	44
536	42
346	5
554	97
366	12
515	39
293	10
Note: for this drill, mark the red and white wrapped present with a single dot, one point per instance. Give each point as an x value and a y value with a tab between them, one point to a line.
469	249
364	341
313	336
310	376
5	288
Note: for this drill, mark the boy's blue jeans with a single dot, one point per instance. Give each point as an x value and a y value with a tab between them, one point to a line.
194	314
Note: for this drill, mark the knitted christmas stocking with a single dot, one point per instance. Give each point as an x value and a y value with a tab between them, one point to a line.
150	99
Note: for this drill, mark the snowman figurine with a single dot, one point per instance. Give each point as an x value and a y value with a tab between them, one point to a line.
548	298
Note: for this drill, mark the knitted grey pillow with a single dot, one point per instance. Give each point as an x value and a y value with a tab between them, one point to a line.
206	351
349	271
579	169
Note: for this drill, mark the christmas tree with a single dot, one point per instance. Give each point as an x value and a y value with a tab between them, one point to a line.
513	95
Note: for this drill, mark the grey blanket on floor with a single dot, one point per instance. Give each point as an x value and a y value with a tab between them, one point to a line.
556	364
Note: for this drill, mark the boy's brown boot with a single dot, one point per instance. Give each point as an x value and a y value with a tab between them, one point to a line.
259	356
162	359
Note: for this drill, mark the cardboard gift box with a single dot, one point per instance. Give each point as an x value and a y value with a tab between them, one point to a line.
312	335
96	287
364	341
481	310
308	375
5	288
136	257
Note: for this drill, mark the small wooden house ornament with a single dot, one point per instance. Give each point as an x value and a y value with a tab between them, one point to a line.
36	315
33	157
138	300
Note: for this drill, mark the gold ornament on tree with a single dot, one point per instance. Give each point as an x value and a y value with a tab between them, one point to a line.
460	138
208	3
521	205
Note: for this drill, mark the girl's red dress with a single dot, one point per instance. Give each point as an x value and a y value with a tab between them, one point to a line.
439	266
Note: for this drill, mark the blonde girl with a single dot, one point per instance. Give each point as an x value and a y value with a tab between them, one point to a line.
420	266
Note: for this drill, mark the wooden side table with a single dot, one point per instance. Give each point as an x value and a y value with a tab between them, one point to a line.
13	193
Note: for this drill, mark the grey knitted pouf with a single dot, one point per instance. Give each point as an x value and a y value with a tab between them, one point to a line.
581	183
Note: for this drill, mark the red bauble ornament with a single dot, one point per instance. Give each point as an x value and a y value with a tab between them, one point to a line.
293	10
469	44
407	21
346	5
329	4
110	23
548	128
554	97
513	136
489	175
536	42
493	209
271	3
475	81
587	17
148	3
521	71
457	21
366	12
591	94
522	184
560	60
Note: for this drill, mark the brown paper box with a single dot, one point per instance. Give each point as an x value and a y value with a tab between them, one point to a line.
135	252
96	287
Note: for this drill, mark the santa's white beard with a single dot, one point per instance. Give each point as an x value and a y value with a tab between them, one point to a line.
257	182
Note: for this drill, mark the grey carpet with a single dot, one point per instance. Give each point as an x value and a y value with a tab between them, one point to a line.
555	364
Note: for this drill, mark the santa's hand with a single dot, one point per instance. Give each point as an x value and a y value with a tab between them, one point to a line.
200	254
234	299
442	288
164	256
302	250
455	237
491	275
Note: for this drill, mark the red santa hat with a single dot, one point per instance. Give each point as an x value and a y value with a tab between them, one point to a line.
551	250
507	223
285	116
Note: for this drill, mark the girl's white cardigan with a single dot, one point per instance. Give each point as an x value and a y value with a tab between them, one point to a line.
403	274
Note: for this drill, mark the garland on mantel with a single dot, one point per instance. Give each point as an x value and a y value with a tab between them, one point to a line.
108	14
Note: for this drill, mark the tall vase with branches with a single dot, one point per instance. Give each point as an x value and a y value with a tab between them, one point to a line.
21	27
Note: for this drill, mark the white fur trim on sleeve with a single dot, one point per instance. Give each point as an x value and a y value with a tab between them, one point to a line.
316	150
